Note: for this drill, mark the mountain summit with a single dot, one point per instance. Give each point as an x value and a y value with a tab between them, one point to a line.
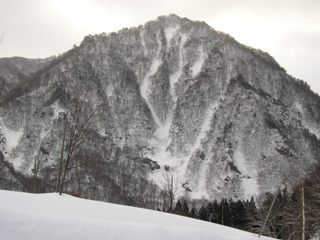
177	97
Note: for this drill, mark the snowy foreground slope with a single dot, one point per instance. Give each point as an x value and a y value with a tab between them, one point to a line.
50	216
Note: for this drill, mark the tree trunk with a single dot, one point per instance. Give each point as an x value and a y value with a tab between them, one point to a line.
61	156
66	167
303	214
222	220
171	194
267	217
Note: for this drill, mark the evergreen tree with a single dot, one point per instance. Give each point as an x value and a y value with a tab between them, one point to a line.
233	212
178	209
210	212
216	212
203	213
239	214
227	218
251	215
185	208
224	216
193	213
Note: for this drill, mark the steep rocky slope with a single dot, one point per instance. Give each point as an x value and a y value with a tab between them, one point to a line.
175	95
15	70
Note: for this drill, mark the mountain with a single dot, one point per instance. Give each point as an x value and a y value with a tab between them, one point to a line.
176	96
15	70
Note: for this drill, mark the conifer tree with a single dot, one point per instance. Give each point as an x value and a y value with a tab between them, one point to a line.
210	212
216	211
193	213
185	208
203	213
178	209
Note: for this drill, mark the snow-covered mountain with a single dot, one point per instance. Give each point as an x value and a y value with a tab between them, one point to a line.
177	95
27	216
16	69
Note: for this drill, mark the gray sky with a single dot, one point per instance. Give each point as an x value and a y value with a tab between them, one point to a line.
287	29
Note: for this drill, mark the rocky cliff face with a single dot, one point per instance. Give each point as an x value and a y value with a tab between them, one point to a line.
175	95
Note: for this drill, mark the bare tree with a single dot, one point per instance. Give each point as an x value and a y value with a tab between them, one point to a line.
77	123
302	211
35	171
294	214
266	219
171	187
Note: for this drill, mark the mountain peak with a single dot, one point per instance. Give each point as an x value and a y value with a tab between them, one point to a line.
171	20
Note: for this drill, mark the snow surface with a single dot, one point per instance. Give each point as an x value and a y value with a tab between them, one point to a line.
175	77
179	164
206	124
17	161
170	33
51	217
162	137
196	67
161	154
57	109
299	107
201	191
311	129
249	180
110	90
145	85
316	236
143	43
12	137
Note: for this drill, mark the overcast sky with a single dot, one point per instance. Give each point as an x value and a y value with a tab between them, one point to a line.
287	29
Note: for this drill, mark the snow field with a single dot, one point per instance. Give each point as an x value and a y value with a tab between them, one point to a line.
51	217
